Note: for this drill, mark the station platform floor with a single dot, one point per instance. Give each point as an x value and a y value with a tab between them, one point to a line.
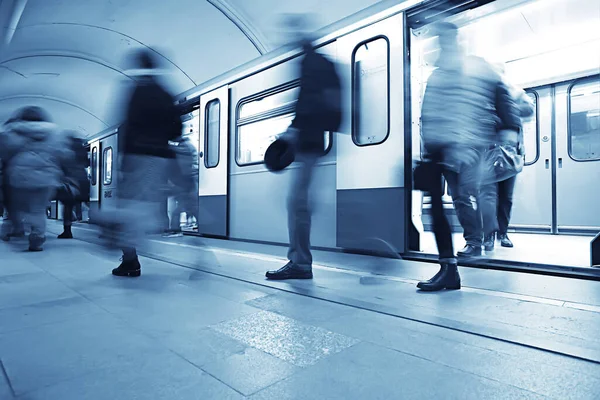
203	323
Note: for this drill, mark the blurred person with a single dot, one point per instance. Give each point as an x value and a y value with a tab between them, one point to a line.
151	121
458	123
33	151
76	185
8	229
185	179
500	199
317	110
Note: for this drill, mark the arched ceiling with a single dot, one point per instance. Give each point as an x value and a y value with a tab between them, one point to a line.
67	55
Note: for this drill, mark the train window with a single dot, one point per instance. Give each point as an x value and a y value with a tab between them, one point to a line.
584	120
94	166
108	165
531	133
212	131
266	119
268	103
371	92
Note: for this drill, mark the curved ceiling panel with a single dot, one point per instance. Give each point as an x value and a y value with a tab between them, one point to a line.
265	14
66	115
72	51
88	84
193	34
103	47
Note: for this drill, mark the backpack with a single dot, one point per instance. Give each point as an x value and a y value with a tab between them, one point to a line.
332	97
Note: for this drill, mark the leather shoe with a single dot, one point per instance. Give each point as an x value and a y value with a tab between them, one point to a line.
289	271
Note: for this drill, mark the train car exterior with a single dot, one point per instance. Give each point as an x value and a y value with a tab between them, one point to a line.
363	196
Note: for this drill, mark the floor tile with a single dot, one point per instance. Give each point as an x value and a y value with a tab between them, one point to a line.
299	344
250	370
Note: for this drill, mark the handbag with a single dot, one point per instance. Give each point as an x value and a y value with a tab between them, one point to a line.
501	163
425	174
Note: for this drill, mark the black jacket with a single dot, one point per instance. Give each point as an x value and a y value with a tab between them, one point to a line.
152	120
316	74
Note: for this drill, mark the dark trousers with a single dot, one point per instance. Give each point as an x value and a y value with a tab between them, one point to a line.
474	204
68	213
498	204
441	226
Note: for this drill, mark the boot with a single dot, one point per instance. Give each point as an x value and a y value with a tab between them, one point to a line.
128	268
489	241
446	278
505	241
470	251
67	234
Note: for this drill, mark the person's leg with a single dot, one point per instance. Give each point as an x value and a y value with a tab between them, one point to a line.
299	222
464	189
447	277
36	215
505	202
488	203
67	220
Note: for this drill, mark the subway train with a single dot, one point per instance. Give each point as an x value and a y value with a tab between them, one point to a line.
363	197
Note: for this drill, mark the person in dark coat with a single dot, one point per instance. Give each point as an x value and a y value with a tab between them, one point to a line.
313	117
76	185
151	121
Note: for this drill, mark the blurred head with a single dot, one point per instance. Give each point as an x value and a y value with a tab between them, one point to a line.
142	59
447	36
31	114
297	29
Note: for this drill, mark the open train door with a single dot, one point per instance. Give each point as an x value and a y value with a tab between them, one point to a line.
212	153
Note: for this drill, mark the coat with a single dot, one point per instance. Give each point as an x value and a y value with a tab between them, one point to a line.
33	153
76	184
464	107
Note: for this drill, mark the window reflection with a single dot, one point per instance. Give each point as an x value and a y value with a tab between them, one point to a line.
108	164
213	121
530	134
371	92
584	121
287	97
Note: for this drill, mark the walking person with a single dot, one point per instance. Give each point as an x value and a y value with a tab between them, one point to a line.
458	123
151	121
76	185
501	193
185	178
317	110
33	151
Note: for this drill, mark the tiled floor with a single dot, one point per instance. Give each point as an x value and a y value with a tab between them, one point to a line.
70	330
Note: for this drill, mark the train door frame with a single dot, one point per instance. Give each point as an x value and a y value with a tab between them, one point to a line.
369	168
108	184
416	17
95	200
213	186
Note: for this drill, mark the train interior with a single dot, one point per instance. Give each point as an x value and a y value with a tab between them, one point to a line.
551	49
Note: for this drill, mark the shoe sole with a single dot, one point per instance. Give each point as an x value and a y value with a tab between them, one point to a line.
452	287
131	274
506	245
283	278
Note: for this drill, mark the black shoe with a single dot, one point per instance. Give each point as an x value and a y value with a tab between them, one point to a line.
505	241
489	242
289	271
67	234
447	278
470	251
128	268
